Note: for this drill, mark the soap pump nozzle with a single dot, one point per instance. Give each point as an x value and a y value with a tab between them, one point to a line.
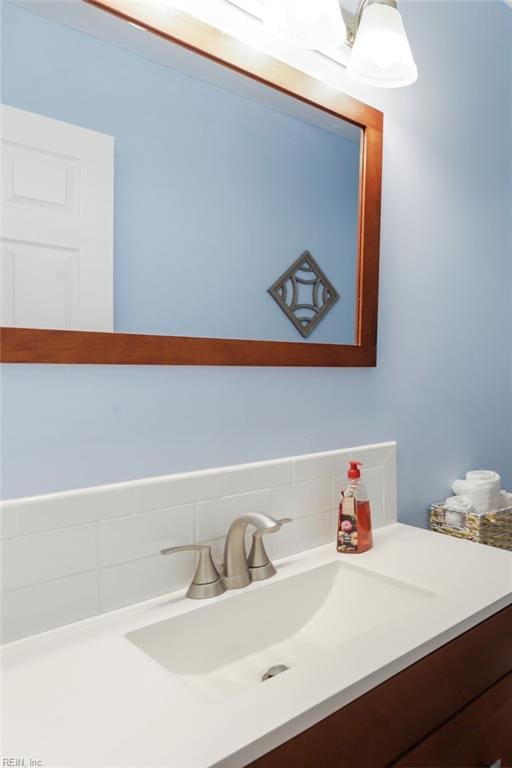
354	473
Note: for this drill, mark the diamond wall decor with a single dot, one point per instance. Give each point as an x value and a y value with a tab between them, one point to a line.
304	293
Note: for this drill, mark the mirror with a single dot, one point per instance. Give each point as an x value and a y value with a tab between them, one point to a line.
236	193
156	192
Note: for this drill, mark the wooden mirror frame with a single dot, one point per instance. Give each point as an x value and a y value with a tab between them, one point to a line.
29	345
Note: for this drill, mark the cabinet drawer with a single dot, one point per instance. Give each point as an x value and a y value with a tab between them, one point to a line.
479	735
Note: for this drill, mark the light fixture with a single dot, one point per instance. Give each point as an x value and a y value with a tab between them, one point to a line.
309	24
381	54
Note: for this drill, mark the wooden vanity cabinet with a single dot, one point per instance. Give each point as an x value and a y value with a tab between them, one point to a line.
481	734
452	708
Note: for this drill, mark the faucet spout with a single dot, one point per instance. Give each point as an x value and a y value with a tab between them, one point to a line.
236	570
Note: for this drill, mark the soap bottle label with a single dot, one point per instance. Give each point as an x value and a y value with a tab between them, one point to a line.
347	527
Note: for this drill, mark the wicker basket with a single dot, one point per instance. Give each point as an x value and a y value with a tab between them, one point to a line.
493	528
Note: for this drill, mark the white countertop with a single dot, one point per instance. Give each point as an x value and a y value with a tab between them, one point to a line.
83	695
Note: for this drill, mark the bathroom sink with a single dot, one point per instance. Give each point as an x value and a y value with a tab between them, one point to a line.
221	648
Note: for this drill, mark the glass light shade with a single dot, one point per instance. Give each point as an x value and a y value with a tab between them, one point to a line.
381	54
308	24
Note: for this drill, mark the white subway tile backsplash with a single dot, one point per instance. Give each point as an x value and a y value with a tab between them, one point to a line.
51	604
175	490
137	536
389	493
372	455
251	477
141	579
9	518
51	555
158	492
301	499
334	463
303	533
214	517
318	465
70	555
377	513
35	514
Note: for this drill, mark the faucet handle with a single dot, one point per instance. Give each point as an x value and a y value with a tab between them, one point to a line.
207	581
260	565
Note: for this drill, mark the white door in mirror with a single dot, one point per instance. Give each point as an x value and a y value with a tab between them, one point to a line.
57	236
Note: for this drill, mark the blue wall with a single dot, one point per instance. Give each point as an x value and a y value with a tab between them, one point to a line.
443	383
215	195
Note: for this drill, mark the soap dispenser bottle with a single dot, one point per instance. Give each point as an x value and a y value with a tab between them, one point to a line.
354	517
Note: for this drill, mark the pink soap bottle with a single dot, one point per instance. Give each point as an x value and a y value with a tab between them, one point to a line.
354	516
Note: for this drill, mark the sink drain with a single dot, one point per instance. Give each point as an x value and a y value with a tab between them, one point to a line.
273	671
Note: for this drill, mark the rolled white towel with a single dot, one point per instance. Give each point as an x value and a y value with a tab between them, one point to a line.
456	509
505	499
490	479
483	488
459	504
483	497
484	476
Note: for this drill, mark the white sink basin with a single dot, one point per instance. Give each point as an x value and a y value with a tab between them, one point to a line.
223	647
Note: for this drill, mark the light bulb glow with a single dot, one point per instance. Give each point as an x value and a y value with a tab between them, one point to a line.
382	48
310	24
381	54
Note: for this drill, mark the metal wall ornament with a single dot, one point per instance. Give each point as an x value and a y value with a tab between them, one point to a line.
289	291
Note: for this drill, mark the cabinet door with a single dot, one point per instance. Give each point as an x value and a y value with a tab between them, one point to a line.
479	735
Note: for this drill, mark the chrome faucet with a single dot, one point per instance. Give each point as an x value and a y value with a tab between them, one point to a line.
207	581
260	565
237	573
239	570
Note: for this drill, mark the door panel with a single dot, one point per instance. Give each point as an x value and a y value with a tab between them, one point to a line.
57	235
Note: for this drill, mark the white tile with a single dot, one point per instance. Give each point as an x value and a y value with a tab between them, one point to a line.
8	520
389	498
137	536
373	479
301	534
253	477
51	555
34	514
301	499
372	455
40	607
141	579
336	485
174	490
377	513
21	517
214	517
334	463
319	465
